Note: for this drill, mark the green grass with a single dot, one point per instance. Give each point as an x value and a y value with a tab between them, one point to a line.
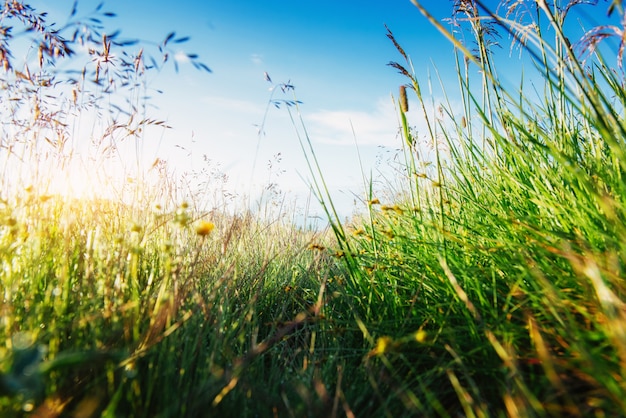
490	285
150	316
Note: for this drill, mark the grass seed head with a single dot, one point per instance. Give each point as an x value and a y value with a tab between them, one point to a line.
404	102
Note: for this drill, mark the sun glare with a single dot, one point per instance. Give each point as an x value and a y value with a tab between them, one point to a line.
78	181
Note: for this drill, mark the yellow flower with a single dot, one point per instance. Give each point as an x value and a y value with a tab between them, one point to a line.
397	209
317	247
420	336
384	345
204	228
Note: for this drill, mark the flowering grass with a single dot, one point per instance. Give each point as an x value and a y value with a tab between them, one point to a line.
106	315
490	286
494	285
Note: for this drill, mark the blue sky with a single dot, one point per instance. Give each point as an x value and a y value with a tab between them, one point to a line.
334	52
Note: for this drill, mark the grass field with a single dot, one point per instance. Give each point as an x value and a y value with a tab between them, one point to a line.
491	285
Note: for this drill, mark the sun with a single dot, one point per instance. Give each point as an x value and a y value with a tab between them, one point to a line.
78	180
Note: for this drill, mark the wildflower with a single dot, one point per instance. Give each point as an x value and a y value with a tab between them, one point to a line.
204	228
317	247
420	336
373	202
395	208
384	345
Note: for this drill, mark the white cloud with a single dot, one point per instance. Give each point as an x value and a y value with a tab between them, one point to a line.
181	57
376	127
380	126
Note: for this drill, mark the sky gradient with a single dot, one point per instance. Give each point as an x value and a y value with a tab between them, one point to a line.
335	53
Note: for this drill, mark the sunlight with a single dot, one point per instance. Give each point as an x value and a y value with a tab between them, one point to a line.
78	180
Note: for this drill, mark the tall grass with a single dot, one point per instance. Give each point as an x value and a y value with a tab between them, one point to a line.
138	302
107	316
490	286
495	287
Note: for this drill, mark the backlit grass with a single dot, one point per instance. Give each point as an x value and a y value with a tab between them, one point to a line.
490	285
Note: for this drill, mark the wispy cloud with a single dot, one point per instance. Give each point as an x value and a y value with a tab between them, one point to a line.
379	126
376	127
256	59
181	57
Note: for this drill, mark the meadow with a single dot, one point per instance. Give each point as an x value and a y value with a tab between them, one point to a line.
488	284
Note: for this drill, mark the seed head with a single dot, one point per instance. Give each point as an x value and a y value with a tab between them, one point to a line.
404	102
